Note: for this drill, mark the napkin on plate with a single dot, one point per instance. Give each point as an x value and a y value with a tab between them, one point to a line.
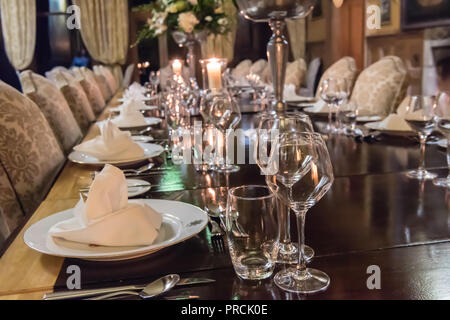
290	94
112	144
393	122
129	116
135	104
107	218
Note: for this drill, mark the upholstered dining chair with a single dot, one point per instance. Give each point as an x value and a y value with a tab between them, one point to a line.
102	83
77	100
29	151
11	214
258	67
54	107
381	87
343	68
109	78
296	73
128	76
91	90
312	78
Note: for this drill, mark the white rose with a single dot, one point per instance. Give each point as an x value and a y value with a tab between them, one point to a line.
209	18
187	21
218	10
172	8
193	2
222	21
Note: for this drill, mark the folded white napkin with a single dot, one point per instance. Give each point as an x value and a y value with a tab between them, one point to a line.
394	122
112	144
129	116
107	218
135	104
258	67
242	69
290	94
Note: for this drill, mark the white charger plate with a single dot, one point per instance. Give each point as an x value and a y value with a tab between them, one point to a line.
392	132
181	221
149	120
442	143
369	118
134	191
143	139
312	110
150	151
143	108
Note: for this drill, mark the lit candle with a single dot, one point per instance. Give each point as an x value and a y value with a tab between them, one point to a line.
214	74
177	67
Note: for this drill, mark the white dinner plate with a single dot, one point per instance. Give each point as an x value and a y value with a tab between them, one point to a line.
137	187
150	122
143	139
300	99
391	132
181	221
442	143
311	110
150	151
369	118
143	108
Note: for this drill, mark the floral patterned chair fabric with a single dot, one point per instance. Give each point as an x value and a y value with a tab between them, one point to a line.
77	100
92	91
381	87
11	214
343	68
54	107
106	76
99	82
296	73
29	151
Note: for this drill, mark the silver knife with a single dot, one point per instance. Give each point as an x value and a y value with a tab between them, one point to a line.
74	294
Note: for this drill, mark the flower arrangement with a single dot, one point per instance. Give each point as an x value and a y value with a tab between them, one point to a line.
184	15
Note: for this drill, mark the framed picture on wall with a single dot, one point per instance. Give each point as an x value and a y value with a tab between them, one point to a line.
390	17
418	14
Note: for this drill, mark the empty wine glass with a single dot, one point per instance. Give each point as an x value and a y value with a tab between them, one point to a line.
420	116
225	115
349	113
304	175
442	112
155	80
271	125
334	92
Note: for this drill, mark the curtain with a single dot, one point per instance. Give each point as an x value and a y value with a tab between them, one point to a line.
297	37
104	29
222	46
19	31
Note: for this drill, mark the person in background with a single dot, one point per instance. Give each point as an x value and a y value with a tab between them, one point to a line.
81	59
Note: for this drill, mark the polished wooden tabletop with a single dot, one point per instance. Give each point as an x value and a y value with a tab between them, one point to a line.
373	215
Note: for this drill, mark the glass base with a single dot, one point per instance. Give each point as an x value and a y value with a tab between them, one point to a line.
421	175
442	182
310	281
288	253
228	169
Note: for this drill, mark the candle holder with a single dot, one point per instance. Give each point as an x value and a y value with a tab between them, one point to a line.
275	12
205	75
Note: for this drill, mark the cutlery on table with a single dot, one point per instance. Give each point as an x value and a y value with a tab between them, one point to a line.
64	295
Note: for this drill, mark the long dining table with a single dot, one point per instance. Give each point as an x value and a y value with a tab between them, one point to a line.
373	216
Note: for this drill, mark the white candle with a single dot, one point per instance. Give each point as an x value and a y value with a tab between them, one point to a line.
214	74
177	67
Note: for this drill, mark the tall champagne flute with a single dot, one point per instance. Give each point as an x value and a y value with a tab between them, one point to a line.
420	116
304	176
442	112
269	126
225	115
334	92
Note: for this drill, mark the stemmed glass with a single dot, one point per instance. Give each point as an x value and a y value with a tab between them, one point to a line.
334	92
442	112
255	82
225	115
349	113
420	116
155	80
270	126
302	176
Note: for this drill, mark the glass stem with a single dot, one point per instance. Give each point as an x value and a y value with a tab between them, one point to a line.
330	116
448	155
423	142
301	216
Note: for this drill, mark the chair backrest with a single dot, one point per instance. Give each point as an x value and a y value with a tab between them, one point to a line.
29	151
11	214
91	90
312	77
54	107
381	87
296	72
343	68
128	76
111	82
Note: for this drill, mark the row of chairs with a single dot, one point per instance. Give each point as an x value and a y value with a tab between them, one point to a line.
39	127
379	89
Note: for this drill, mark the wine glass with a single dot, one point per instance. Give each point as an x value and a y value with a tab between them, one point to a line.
155	80
442	112
225	115
349	112
270	125
334	92
304	175
420	117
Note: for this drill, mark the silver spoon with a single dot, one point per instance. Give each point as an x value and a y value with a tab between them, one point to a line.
141	170
153	290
